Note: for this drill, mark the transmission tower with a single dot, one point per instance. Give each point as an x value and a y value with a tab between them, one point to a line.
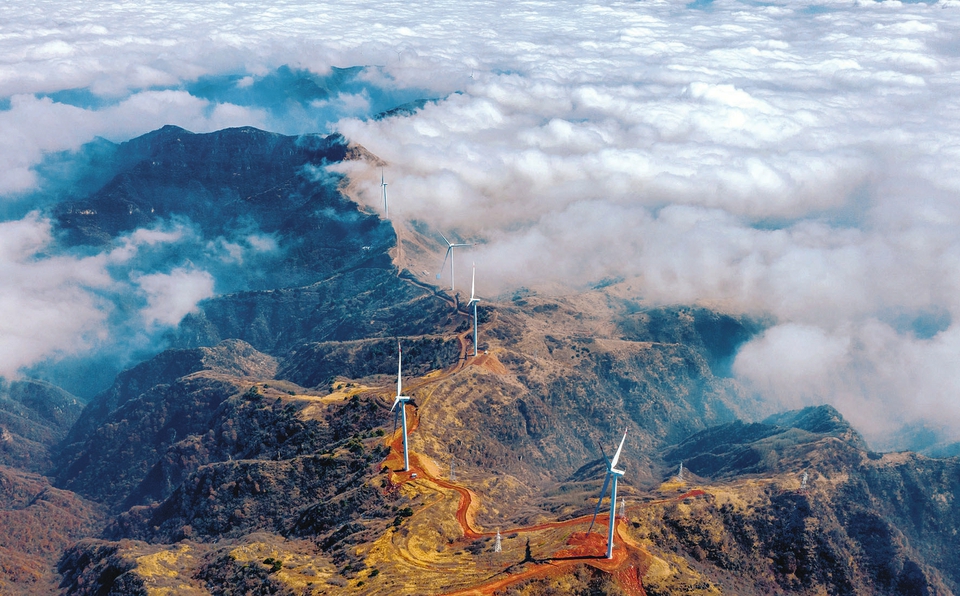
623	508
453	471
803	482
680	473
497	547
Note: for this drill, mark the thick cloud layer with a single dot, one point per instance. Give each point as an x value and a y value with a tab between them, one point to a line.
797	160
61	306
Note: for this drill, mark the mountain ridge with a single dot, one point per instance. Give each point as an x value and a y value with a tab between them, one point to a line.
259	451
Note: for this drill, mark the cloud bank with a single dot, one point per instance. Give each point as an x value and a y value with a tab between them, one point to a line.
56	305
797	160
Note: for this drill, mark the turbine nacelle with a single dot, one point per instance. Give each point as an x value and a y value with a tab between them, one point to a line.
400	399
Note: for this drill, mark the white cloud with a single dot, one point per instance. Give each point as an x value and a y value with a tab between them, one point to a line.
56	305
49	304
797	159
171	296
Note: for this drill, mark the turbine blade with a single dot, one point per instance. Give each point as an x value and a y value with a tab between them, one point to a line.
603	491
604	453
444	238
449	250
473	282
395	416
616	456
395	402
399	368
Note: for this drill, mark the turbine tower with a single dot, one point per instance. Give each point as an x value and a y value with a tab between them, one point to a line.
450	247
402	401
383	188
612	472
474	300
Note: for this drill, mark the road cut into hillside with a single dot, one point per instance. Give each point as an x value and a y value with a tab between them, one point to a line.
630	560
629	563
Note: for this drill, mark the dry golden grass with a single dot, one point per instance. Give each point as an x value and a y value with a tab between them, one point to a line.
165	563
301	569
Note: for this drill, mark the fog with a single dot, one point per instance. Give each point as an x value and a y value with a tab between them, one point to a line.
797	161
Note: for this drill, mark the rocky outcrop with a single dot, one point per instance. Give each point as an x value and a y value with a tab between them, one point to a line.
861	523
317	364
38	523
34	418
230	357
356	304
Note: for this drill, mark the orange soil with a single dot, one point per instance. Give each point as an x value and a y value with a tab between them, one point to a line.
489	362
629	563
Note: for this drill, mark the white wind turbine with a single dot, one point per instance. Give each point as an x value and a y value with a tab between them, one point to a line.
383	188
450	247
402	401
612	472
474	300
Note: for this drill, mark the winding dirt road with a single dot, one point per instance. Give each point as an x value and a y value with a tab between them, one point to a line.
630	560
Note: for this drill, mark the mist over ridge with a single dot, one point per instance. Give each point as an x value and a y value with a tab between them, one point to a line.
795	161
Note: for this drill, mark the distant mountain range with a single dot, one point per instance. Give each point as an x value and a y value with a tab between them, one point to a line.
257	454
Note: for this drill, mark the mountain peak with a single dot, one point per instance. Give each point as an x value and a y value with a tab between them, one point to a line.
823	419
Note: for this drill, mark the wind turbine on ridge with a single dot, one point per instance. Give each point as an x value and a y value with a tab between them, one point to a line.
402	401
383	187
612	472
474	300
450	247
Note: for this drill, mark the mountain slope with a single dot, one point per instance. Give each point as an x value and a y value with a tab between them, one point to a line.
863	523
34	418
259	454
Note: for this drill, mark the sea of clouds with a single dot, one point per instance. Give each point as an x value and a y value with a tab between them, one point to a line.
793	160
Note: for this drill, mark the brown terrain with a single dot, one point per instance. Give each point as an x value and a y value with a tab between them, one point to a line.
258	454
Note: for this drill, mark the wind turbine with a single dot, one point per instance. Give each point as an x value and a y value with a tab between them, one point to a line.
402	401
473	300
383	187
612	472
450	247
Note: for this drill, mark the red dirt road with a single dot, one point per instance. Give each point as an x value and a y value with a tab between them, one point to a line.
630	560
